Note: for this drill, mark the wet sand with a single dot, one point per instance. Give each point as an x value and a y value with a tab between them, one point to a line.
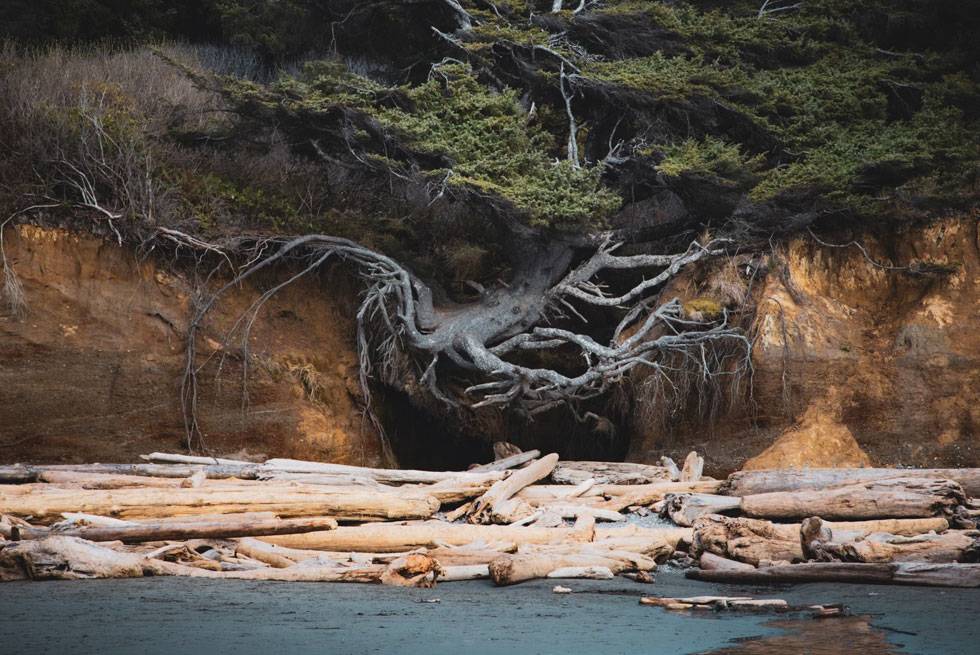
181	615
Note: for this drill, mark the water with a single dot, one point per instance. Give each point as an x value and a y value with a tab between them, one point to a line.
190	616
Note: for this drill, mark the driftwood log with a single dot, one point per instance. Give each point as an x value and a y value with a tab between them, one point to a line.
685	509
400	537
755	540
576	472
221	528
911	573
509	462
26	473
287	501
503	490
746	483
824	543
876	499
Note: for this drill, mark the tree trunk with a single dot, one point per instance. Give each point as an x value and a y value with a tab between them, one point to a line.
287	501
511	569
22	474
754	540
822	542
401	537
888	498
223	528
746	483
388	476
936	575
746	540
608	473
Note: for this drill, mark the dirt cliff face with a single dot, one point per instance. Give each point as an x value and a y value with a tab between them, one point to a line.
856	364
92	371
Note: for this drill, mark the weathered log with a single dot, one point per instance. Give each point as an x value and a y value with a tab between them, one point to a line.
106	480
287	501
510	462
755	540
693	467
176	458
504	489
222	528
455	573
25	473
684	509
821	542
65	558
711	562
714	602
911	573
745	483
511	569
622	496
263	552
583	573
401	537
389	476
70	558
887	498
576	472
746	540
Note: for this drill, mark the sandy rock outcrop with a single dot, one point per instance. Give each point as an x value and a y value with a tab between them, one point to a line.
92	371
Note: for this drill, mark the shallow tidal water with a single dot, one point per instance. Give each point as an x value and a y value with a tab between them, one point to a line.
191	616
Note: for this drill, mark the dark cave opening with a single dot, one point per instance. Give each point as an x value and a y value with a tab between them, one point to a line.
422	440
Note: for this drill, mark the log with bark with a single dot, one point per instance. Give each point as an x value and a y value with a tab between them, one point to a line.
876	499
911	573
746	483
288	501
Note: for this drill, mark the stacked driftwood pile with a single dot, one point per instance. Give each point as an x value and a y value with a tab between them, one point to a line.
522	517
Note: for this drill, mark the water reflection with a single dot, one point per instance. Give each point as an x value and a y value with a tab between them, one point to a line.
832	636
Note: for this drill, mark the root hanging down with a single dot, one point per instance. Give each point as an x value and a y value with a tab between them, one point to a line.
487	341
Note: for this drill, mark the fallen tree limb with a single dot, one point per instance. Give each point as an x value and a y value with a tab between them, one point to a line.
503	490
507	462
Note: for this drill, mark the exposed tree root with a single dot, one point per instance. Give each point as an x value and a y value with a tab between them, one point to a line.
484	341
